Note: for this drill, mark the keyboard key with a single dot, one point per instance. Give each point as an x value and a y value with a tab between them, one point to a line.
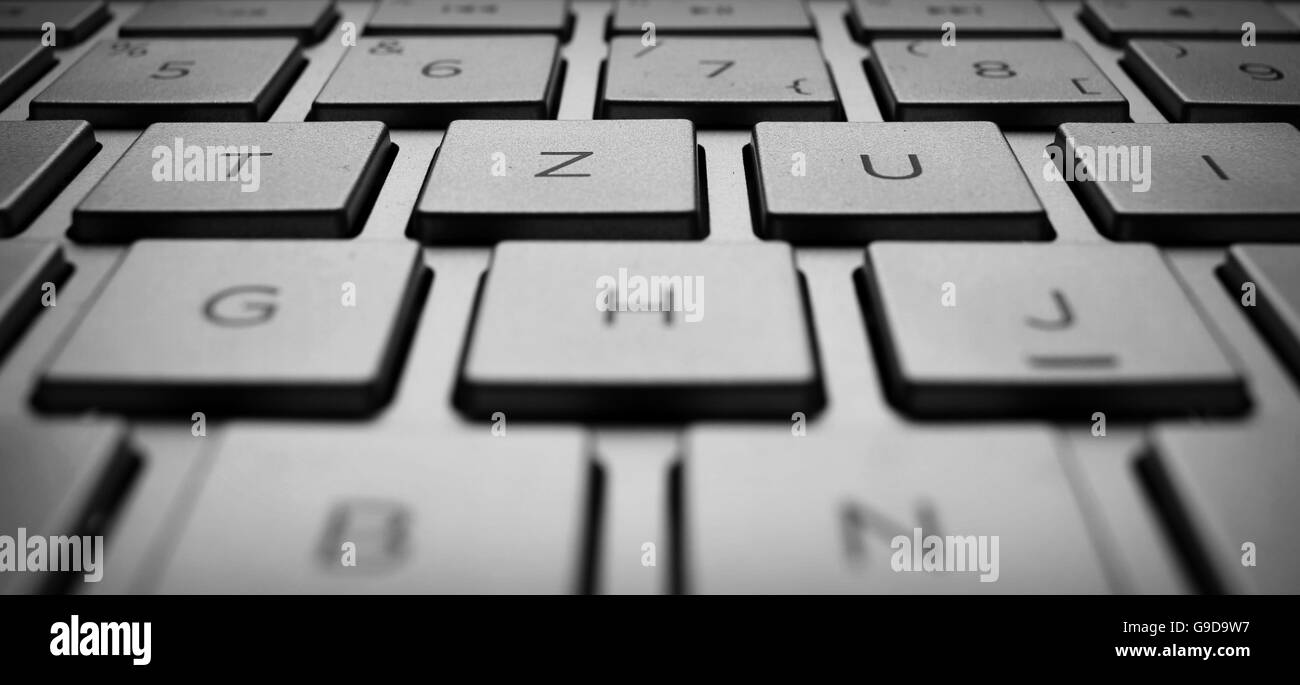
74	20
424	513
61	478
1274	270
831	508
712	16
414	17
1027	83
827	183
507	180
980	18
429	82
21	63
1207	81
235	327
1226	487
629	331
1116	21
306	20
1209	183
258	180
1024	330
133	83
40	158
719	81
25	268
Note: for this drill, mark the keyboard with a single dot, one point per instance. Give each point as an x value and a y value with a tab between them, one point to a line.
652	296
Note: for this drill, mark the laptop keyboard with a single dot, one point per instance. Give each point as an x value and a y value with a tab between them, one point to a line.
651	296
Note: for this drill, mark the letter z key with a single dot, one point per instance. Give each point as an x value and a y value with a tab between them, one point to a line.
509	180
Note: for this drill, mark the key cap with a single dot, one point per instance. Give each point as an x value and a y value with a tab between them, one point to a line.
74	20
232	327
25	269
1273	275
1208	183
133	83
1224	487
833	507
981	18
61	478
429	82
764	17
258	180
504	180
424	513
1117	21
413	17
1208	81
827	183
719	81
21	63
40	158
1054	330
625	330
1022	83
306	20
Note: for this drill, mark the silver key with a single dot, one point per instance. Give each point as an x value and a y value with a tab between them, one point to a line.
429	82
29	276
1266	279
423	513
262	180
1027	83
827	183
1204	183
1216	80
1116	21
40	158
765	17
60	478
416	17
640	331
925	19
233	327
507	180
21	63
719	81
133	83
766	512
1225	487
305	20
998	329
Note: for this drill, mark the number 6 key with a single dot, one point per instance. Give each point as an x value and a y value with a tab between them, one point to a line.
429	82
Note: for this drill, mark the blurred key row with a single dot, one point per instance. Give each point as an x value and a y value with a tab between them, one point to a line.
1112	21
233	60
961	511
817	183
